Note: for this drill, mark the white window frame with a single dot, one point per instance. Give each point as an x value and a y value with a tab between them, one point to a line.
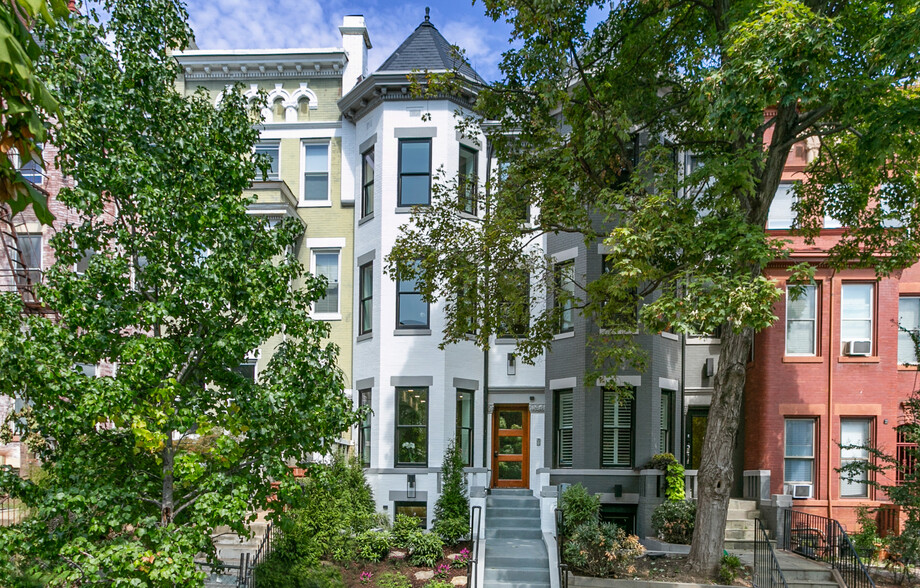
902	335
18	164
812	457
303	170
843	341
328	316
854	455
269	143
814	320
781	224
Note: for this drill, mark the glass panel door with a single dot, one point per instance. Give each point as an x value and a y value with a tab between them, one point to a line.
510	446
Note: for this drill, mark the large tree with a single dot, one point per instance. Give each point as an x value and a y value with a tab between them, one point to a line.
176	283
590	120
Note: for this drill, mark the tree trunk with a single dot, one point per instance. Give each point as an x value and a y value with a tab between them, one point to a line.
716	473
166	517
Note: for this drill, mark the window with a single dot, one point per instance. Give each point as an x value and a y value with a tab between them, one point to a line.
88	369
908	318
417	510
565	295
83	262
326	264
854	448
364	429
468	172
316	172
414	171
515	305
781	215
563	437
247	370
856	314
799	450
465	425
367	183
616	434
32	168
366	299
412	426
666	444
270	151
906	453
801	320
411	310
30	246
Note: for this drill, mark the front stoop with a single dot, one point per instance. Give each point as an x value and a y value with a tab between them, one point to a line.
515	555
739	524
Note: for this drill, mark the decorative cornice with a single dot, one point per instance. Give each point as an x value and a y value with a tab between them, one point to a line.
537	408
256	64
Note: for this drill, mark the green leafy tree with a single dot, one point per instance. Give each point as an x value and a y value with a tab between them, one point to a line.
170	442
452	510
26	105
589	121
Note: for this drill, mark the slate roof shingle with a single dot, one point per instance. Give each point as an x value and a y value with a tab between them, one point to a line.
427	49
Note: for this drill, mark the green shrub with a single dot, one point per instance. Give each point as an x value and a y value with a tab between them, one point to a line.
867	541
729	568
277	573
601	549
904	553
673	521
404	526
393	580
661	461
373	545
674	482
425	549
578	507
339	505
452	510
439	584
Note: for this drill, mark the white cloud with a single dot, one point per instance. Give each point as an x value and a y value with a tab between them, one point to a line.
282	24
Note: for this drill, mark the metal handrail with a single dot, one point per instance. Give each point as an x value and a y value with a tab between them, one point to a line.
767	572
472	569
248	567
560	539
824	539
10	513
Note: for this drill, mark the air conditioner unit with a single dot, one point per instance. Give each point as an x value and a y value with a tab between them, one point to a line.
861	347
800	491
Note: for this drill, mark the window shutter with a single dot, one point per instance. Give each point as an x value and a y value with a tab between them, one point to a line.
565	429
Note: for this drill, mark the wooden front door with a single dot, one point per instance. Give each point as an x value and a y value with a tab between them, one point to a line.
510	446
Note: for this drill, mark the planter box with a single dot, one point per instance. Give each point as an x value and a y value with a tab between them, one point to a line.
658	546
585	582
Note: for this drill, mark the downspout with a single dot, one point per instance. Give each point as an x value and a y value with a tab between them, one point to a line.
485	352
830	392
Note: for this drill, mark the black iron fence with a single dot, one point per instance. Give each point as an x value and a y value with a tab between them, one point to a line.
12	511
560	540
249	573
767	573
823	539
472	570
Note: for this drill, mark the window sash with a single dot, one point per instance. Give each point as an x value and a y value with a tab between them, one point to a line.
617	430
465	413
802	322
565	297
412	426
855	432
799	450
666	442
564	420
412	311
468	171
364	429
316	172
908	318
366	299
781	214
272	151
856	309
367	184
326	264
414	172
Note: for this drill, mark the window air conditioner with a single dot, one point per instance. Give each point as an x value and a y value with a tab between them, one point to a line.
801	490
861	347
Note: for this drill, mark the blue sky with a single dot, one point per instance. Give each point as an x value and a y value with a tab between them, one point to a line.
243	24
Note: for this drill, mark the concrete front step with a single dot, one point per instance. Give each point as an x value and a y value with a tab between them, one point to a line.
518	522
739	534
739	504
743	515
519	512
529	575
493	532
740	525
511	492
513	502
497	584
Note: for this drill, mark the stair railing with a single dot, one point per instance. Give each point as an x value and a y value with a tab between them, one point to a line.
248	576
767	572
560	540
472	569
823	539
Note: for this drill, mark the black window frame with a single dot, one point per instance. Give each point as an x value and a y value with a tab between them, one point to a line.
623	315
412	174
668	434
398	427
466	431
366	303
467	184
557	428
399	295
617	428
569	307
365	398
367	186
423	524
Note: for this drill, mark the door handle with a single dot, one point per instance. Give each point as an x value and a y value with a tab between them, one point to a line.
496	454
